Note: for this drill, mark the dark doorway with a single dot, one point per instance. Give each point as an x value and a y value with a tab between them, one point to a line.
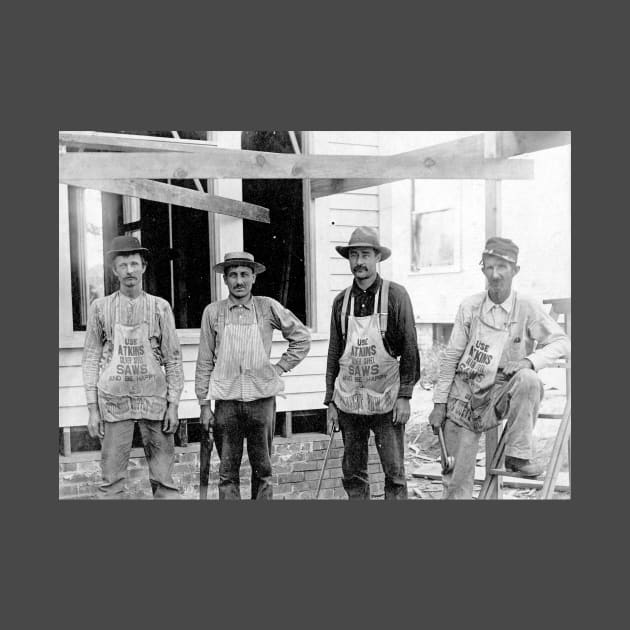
279	245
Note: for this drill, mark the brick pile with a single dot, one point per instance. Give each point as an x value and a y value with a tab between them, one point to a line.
296	461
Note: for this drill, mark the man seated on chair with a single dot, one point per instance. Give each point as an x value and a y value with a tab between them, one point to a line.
488	372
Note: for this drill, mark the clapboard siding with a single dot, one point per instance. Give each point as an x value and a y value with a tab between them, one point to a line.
304	385
349	210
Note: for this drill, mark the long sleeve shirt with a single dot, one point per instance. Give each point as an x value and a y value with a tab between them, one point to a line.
97	352
269	314
400	337
535	336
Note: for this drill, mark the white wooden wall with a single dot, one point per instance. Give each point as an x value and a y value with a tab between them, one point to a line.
333	220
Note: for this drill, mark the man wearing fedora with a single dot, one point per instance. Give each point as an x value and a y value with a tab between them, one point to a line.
373	365
500	340
132	372
234	370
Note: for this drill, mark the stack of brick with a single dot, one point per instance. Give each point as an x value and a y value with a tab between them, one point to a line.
297	463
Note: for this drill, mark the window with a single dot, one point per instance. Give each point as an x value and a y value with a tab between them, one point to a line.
179	268
280	244
435	232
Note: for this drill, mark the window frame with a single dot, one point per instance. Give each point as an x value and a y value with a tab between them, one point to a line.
454	204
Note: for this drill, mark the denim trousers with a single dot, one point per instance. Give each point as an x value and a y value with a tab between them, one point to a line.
159	449
517	400
390	444
254	421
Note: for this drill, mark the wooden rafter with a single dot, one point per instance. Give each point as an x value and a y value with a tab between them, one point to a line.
468	147
176	195
128	142
512	143
231	163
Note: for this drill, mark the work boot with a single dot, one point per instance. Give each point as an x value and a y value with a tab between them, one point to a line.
525	467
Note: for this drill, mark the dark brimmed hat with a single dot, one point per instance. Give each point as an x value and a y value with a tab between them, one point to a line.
236	259
501	247
125	245
364	237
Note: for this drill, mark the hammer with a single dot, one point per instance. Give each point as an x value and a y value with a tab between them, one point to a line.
448	461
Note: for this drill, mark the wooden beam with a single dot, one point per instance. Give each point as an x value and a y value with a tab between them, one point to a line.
519	142
129	142
468	147
198	185
230	163
176	195
493	146
513	143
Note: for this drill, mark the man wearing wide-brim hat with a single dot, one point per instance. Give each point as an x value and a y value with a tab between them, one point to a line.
234	370
373	365
132	372
500	340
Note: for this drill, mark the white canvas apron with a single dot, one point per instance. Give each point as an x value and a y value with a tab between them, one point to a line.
470	398
369	377
243	370
132	386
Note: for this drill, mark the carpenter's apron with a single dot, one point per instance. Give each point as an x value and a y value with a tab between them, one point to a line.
243	370
471	403
369	377
133	385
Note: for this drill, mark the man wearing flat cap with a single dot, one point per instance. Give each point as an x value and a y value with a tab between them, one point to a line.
132	372
234	370
500	340
373	365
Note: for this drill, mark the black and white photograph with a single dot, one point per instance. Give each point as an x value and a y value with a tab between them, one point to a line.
314	315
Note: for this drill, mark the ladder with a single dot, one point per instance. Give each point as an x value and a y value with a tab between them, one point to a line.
495	470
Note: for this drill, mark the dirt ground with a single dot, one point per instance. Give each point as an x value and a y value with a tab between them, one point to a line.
423	447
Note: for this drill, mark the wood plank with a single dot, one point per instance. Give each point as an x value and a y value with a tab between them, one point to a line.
468	147
176	195
232	163
129	142
513	143
519	142
434	471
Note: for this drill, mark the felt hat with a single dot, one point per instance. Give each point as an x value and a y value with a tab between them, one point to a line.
125	245
364	237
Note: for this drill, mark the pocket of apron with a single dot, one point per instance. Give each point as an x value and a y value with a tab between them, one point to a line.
484	415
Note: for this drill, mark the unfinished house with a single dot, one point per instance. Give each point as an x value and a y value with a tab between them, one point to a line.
289	197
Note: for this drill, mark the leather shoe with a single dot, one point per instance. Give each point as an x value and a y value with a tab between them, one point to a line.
525	467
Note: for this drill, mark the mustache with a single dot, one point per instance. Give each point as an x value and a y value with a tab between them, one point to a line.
359	268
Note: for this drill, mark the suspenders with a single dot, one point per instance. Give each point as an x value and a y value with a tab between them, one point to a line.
383	302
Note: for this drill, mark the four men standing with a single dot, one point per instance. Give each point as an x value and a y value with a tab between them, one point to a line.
132	371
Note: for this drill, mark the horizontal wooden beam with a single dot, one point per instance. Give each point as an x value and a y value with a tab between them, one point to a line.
468	147
229	163
511	143
128	142
176	195
518	142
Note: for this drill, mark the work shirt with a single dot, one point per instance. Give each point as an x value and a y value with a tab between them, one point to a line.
97	352
497	314
534	336
400	338
269	314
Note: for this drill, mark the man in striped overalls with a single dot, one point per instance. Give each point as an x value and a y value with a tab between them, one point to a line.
234	370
